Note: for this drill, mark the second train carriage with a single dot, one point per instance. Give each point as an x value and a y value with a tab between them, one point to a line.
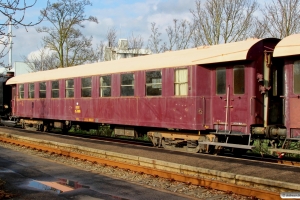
222	93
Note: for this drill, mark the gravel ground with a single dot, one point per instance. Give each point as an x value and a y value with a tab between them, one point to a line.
138	178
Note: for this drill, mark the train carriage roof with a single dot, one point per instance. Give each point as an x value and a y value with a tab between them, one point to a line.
288	46
200	55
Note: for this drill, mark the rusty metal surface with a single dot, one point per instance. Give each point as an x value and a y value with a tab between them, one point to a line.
294	113
242	190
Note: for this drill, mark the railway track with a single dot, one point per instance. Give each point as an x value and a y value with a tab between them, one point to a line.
255	157
188	179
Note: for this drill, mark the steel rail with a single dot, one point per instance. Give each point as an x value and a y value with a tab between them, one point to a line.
246	157
222	186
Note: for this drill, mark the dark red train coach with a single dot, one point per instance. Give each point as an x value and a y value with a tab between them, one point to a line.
194	99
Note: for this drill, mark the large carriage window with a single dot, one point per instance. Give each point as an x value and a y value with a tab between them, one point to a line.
42	93
86	87
55	89
31	90
153	83
21	91
69	88
239	79
127	84
221	80
105	86
181	82
297	77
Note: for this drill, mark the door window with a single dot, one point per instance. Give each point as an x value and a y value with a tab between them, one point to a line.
239	79
297	77
221	80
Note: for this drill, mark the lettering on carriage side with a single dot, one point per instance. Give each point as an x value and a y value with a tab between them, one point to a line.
77	109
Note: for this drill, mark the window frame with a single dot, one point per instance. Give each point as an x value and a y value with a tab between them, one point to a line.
42	91
122	86
181	82
103	87
236	90
84	87
153	84
69	88
21	92
217	89
31	91
55	89
296	63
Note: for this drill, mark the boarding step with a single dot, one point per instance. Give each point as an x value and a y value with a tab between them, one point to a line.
239	146
285	151
297	138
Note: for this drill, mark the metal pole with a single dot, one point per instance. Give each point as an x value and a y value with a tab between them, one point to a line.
10	44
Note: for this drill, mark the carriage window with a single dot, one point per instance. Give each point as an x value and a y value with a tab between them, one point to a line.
127	84
55	89
153	83
70	88
31	90
42	93
86	87
239	79
21	91
105	86
181	82
297	77
221	80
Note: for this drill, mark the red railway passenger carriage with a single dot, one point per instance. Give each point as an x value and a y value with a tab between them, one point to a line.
288	52
210	96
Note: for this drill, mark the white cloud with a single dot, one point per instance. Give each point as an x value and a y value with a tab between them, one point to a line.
126	17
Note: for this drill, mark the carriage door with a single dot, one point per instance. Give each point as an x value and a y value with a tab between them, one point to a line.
276	92
238	101
230	104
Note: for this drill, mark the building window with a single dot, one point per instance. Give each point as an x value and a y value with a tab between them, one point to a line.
21	91
127	84
105	86
55	89
42	93
181	82
86	87
221	80
297	77
239	79
31	90
153	83
70	88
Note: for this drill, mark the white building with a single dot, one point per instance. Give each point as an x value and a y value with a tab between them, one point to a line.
21	68
123	51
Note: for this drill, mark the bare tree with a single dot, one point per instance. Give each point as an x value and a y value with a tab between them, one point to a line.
111	37
100	51
64	37
260	27
13	12
223	21
282	18
43	60
136	44
154	42
179	35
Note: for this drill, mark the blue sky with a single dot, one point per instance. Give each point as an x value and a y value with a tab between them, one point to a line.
127	16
